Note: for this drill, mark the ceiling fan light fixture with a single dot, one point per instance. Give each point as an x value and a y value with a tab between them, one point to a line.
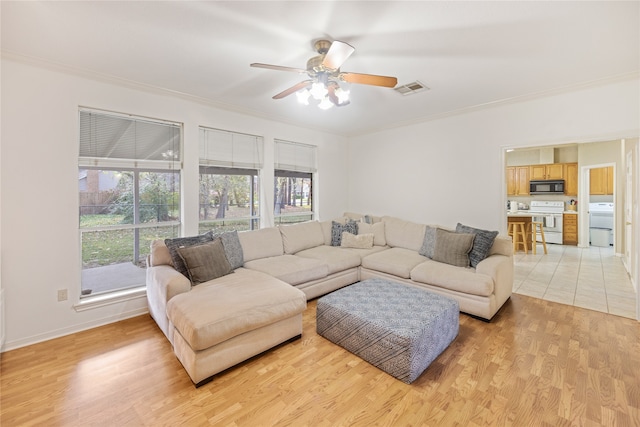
325	104
318	90
303	96
343	95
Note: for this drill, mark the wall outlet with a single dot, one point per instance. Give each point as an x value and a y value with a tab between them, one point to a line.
62	295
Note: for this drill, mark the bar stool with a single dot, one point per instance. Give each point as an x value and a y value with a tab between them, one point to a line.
535	226
519	235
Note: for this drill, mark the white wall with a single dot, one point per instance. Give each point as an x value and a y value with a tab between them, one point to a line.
39	187
452	169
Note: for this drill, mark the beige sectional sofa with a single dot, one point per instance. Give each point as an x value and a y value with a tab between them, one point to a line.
219	323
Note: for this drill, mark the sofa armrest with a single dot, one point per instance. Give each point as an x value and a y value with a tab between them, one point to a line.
500	269
166	282
502	245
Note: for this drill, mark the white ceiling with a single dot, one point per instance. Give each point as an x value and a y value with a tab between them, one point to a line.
469	53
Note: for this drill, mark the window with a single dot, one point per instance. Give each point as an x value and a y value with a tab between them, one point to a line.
128	183
293	188
229	184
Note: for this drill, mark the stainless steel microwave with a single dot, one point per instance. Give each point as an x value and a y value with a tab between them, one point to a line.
547	187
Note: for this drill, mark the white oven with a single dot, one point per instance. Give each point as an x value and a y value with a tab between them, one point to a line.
551	225
550	215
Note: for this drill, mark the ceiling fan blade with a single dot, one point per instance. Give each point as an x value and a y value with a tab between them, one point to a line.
302	85
337	54
277	67
369	79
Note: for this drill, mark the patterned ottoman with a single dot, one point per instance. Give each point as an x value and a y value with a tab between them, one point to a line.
397	328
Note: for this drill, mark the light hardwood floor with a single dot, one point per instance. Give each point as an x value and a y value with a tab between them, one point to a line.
592	278
537	363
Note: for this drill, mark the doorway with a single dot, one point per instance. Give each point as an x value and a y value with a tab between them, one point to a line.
598	212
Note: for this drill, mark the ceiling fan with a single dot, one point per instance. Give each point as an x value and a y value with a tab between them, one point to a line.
325	76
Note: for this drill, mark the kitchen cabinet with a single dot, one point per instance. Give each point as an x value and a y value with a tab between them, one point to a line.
549	171
517	180
570	229
570	179
601	181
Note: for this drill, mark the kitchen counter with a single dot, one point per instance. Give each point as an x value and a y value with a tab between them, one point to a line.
523	214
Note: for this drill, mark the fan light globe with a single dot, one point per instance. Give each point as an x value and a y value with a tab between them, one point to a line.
303	97
325	104
318	91
343	95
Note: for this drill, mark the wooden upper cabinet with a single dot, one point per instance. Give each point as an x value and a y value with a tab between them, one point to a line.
522	173
610	180
555	171
537	172
542	172
517	180
570	179
601	181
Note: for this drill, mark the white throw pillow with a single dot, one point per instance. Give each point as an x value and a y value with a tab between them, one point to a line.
361	241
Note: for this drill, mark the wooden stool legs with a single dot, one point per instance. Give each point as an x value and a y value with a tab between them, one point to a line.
535	226
519	234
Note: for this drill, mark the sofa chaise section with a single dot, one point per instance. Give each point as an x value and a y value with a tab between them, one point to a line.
224	322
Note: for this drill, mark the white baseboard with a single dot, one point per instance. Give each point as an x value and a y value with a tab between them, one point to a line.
23	342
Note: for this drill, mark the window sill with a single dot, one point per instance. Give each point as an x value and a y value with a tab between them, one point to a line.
97	301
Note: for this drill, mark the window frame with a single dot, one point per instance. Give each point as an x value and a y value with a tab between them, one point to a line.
254	210
294	160
165	158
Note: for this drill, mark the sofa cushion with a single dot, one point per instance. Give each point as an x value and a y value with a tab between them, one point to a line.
206	261
183	242
337	229
453	248
481	244
396	261
376	229
336	258
263	243
232	247
236	303
464	280
292	269
364	252
361	241
301	236
403	234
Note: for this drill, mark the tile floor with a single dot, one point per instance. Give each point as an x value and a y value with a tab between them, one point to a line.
592	278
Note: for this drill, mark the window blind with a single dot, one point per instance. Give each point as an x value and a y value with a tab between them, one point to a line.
111	140
230	149
293	156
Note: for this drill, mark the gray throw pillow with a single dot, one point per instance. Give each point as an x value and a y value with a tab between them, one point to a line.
205	262
453	248
232	247
429	242
337	229
183	242
481	244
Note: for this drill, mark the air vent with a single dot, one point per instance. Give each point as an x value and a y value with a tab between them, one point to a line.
411	88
